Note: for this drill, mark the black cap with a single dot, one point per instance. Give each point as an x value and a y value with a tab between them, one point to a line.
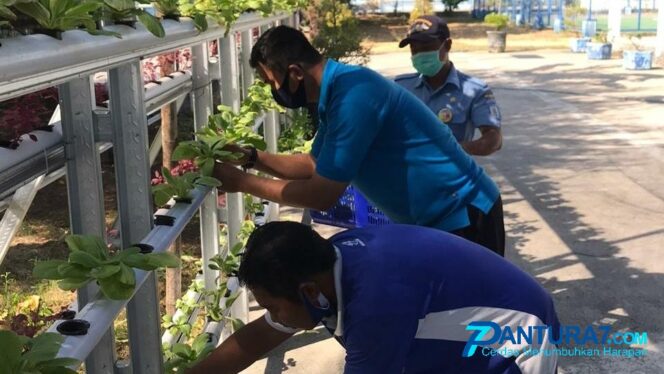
426	29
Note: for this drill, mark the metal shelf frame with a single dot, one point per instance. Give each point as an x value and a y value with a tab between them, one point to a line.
30	63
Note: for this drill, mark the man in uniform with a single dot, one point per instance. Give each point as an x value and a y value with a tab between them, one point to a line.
462	102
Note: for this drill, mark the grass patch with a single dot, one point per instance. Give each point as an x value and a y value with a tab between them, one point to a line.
383	33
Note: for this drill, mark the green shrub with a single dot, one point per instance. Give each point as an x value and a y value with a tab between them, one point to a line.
573	15
420	8
338	35
498	21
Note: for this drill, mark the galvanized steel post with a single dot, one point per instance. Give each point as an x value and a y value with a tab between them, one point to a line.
230	96
202	104
132	171
85	192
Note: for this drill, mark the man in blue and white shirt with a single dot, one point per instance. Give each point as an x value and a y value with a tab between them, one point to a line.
399	298
462	102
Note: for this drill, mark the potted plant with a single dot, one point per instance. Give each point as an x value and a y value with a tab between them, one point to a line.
498	37
600	49
637	59
572	15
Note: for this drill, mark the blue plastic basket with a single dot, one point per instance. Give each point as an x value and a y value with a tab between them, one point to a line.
352	210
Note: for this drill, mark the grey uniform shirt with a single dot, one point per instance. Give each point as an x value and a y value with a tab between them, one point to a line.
464	103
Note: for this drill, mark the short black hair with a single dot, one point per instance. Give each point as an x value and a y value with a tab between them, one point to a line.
282	255
282	46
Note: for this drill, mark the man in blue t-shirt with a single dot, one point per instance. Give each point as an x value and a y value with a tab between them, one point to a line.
372	134
399	298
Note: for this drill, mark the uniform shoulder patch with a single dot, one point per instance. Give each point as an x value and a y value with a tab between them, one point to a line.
488	95
477	82
406	76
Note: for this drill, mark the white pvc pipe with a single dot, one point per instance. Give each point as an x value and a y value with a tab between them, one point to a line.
659	50
615	16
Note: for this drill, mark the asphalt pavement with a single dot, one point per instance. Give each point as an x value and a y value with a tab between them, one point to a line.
581	176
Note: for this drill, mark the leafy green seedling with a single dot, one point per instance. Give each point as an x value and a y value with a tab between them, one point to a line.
230	264
89	260
183	356
197	10
177	324
180	187
205	152
251	207
120	10
296	137
228	128
21	355
6	11
63	15
167	8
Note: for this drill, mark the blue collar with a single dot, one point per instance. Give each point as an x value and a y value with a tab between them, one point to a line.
452	78
329	71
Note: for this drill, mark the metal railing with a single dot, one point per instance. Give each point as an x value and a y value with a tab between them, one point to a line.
30	63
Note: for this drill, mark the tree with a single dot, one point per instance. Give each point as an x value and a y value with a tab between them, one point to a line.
338	35
450	5
421	8
169	134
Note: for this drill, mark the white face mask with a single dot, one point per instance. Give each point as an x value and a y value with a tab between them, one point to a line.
322	301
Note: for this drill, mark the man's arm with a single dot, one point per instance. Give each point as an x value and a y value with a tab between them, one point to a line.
242	349
296	166
489	142
485	115
316	192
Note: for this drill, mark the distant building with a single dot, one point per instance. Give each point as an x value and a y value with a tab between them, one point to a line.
402	6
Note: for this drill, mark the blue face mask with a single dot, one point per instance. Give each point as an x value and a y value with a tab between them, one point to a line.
318	313
427	63
285	98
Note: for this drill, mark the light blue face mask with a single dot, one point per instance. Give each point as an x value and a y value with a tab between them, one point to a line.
427	63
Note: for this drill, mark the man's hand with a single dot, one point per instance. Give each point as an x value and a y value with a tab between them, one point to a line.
490	142
315	192
237	149
231	178
241	349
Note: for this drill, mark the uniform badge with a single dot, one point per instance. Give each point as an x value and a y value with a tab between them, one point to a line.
495	112
445	115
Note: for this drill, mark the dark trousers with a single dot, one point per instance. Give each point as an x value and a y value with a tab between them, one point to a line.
487	230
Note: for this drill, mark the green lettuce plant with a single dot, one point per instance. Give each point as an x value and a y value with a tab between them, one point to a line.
180	186
89	260
296	137
23	355
182	356
62	15
120	10
6	12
